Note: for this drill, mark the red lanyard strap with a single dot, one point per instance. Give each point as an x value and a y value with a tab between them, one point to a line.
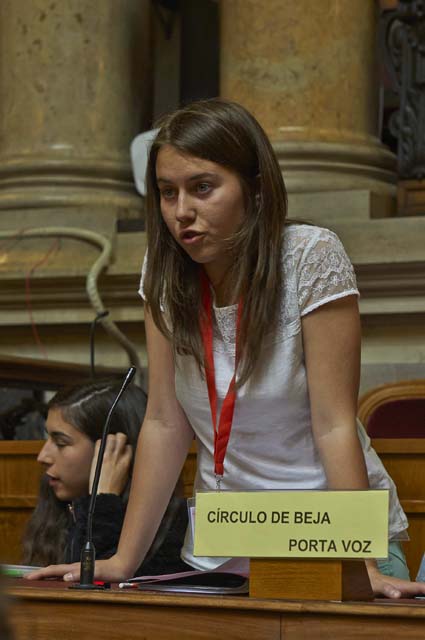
224	427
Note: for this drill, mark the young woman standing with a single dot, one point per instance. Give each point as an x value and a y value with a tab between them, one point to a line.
253	338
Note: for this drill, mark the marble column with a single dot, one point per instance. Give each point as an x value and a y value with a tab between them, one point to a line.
308	72
74	91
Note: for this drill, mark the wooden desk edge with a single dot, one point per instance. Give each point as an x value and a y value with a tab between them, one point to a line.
389	608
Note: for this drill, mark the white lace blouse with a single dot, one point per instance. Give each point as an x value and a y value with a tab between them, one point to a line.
271	444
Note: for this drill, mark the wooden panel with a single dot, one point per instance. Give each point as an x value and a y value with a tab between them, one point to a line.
406	469
350	628
398	446
19	470
19	481
309	579
44	621
12	526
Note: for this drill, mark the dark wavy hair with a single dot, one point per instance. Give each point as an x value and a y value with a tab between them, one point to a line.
86	407
227	134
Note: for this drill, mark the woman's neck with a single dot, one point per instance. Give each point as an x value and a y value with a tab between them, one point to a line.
224	297
219	279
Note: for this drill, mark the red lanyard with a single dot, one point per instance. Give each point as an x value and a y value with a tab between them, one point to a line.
224	427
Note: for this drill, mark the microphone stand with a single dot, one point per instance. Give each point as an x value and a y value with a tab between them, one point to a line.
88	553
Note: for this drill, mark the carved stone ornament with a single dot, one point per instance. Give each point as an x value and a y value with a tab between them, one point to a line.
402	39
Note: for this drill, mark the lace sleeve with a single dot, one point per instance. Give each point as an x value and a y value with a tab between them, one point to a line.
142	277
325	272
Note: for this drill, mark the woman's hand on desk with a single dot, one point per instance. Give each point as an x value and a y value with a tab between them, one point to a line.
393	587
110	570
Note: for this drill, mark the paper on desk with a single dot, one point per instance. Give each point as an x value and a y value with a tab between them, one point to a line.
239	566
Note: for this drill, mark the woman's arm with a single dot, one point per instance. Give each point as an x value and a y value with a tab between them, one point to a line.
331	336
162	448
163	445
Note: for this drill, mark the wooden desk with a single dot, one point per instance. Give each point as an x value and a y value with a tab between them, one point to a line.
45	611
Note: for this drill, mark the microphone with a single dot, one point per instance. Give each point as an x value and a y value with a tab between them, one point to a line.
88	553
99	316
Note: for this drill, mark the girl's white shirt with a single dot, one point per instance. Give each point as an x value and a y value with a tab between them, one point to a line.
271	444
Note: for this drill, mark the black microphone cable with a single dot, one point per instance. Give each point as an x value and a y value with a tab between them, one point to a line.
99	316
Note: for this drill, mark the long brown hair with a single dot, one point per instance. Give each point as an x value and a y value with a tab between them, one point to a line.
86	407
227	134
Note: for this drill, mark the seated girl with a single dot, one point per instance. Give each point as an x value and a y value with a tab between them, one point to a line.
56	531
